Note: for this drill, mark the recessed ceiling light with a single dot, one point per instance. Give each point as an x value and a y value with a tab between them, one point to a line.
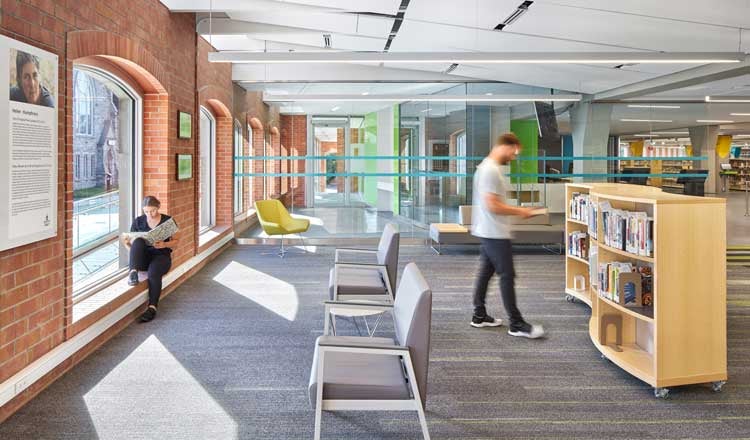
335	108
714	121
646	120
365	93
488	94
728	99
652	106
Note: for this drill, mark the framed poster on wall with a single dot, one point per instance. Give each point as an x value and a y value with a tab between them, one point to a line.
28	143
185	125
184	166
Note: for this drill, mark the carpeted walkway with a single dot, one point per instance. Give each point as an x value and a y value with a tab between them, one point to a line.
229	357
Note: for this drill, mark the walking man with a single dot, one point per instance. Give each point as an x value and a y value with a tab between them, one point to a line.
490	224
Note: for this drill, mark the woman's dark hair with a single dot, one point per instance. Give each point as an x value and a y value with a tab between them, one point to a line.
23	58
151	201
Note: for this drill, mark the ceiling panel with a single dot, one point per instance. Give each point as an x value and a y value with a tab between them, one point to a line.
352	24
622	30
734	13
379	6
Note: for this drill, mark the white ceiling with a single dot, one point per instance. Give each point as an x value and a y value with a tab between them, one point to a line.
468	25
450	25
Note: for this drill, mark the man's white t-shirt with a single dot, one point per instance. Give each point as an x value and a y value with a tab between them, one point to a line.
489	178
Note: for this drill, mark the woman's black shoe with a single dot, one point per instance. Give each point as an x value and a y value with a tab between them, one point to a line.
148	315
133	278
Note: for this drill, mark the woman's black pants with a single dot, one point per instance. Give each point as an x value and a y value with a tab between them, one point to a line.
148	258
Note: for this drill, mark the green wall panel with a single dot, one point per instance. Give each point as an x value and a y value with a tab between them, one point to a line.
527	131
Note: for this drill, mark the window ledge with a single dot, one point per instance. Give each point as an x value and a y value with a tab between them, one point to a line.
246	215
208	236
104	297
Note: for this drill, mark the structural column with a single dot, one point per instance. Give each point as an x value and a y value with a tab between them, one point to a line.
703	139
590	125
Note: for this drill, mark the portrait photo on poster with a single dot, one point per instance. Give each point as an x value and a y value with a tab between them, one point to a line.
32	79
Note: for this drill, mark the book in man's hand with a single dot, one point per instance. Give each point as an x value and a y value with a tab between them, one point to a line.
159	233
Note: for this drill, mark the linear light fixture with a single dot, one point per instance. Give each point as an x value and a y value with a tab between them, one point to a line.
645	120
477	57
421	98
714	121
729	99
652	106
659	134
739	114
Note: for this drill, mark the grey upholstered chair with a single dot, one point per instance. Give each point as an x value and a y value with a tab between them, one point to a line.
364	281
374	278
360	373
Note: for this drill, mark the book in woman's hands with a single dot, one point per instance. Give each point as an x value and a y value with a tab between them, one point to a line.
159	233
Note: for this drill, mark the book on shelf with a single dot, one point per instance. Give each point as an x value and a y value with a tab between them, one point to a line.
579	207
629	231
626	284
578	244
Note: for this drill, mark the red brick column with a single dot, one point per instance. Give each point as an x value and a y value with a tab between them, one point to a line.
224	191
294	137
258	149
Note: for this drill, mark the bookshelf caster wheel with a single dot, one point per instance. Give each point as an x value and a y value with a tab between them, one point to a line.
661	393
605	358
569	298
716	386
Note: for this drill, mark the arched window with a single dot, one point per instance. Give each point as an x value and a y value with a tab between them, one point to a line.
83	103
207	171
238	168
106	146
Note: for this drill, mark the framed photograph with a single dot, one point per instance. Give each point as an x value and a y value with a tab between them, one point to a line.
184	166
185	125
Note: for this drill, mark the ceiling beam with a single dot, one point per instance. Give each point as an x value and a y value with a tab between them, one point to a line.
677	80
336	73
227	26
479	57
420	98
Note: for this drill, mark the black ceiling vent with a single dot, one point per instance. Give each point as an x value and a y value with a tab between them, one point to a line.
520	10
397	20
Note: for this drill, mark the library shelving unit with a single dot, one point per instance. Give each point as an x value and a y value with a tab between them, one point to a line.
681	338
739	180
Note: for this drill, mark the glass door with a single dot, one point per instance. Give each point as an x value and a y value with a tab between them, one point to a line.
330	142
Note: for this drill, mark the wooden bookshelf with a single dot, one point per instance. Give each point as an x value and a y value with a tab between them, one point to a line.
681	339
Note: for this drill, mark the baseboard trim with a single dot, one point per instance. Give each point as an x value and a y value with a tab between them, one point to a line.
20	381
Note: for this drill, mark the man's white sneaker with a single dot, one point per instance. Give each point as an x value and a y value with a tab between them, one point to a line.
486	321
528	331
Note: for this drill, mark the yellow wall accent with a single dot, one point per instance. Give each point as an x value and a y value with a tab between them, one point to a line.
723	145
689	150
636	148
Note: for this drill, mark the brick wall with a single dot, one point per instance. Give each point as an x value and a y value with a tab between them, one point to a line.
294	139
157	50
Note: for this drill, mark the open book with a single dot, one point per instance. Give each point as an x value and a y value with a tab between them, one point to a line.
159	233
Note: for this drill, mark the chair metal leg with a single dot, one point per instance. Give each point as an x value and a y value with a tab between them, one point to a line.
282	251
319	395
423	422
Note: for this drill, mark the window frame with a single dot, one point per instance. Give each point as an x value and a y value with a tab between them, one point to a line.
212	172
238	168
89	105
85	290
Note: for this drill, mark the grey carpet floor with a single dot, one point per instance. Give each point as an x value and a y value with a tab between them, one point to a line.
229	357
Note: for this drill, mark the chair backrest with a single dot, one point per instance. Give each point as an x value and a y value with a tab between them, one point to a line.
271	211
268	210
388	252
412	311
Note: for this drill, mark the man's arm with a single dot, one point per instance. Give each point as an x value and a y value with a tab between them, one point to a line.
496	205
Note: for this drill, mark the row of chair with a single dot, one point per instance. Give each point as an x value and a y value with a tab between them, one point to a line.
360	373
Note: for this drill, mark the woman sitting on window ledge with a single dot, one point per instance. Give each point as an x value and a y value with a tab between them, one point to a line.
156	259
